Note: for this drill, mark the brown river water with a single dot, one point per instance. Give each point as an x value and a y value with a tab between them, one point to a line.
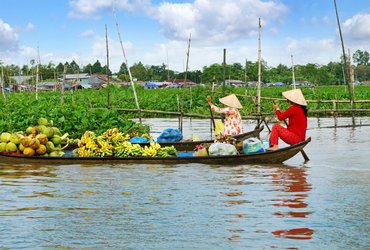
321	204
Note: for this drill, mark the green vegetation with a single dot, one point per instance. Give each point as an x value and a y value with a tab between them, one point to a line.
86	109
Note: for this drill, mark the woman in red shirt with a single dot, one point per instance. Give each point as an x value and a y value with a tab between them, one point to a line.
297	120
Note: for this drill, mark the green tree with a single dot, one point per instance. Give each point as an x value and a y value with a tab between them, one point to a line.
361	57
139	72
97	68
87	69
212	73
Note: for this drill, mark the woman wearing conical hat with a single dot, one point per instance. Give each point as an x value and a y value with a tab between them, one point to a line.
233	120
296	114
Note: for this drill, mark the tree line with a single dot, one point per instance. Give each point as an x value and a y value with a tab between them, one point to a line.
329	74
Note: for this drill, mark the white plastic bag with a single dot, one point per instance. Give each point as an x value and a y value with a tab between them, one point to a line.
219	148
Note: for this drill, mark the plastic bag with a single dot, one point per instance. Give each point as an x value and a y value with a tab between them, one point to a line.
170	135
219	127
219	148
138	139
252	145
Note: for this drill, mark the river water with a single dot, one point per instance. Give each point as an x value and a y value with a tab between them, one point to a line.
321	204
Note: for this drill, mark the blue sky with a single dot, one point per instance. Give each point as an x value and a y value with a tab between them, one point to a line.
156	32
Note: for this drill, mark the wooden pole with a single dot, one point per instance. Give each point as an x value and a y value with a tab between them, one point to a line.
2	83
107	68
293	76
259	68
185	79
352	79
343	51
128	69
245	71
63	83
224	73
37	73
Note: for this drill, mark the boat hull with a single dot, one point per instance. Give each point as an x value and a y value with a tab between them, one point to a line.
270	157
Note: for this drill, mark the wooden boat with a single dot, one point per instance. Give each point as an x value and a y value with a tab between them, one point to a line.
269	157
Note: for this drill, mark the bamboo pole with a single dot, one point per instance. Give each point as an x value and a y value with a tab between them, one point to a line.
185	80
224	73
259	68
293	76
245	71
107	68
2	83
343	51
63	83
352	79
128	69
178	109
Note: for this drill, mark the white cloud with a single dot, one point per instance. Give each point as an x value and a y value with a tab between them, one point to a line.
310	50
87	33
215	21
357	28
99	52
8	37
90	9
30	27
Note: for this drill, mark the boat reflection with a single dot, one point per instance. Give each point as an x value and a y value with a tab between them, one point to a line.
25	171
292	190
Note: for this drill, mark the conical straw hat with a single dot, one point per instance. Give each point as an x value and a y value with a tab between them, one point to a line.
296	96
231	101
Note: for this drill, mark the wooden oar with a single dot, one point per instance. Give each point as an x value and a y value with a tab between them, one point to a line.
212	118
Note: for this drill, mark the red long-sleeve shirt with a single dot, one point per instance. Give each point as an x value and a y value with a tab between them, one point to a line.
297	121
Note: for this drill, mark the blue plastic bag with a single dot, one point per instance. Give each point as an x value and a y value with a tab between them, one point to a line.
170	135
138	139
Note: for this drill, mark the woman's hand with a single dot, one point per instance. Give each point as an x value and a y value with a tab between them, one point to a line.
275	106
209	100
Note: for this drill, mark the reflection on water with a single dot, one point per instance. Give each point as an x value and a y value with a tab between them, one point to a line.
292	182
322	204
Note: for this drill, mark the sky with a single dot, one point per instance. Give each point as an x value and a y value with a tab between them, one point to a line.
156	32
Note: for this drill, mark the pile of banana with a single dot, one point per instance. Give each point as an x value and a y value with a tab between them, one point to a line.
113	143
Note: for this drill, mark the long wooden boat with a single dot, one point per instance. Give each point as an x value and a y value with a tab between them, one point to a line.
269	157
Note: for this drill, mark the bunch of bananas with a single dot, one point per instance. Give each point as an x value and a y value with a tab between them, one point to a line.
149	151
167	152
87	147
127	149
114	143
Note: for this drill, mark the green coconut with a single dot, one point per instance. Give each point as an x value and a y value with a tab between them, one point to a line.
56	140
5	137
42	121
3	146
56	153
50	146
15	138
57	131
41	129
49	132
29	130
11	147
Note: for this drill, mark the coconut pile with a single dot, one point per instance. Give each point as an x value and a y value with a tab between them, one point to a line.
42	139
